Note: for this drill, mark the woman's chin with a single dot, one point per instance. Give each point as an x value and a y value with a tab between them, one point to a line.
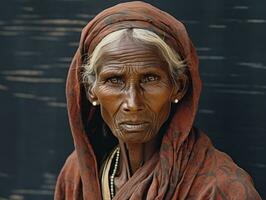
135	137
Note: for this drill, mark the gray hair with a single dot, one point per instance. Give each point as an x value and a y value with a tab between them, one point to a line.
175	63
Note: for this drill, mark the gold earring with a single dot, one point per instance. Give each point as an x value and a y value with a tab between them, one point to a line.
176	101
94	103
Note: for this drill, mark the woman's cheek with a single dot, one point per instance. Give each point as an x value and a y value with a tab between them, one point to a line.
108	96
109	105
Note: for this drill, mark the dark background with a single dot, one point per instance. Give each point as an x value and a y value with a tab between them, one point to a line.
37	41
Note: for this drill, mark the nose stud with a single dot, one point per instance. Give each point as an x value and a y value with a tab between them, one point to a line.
176	100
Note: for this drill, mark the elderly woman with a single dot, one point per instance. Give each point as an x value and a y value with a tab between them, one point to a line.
132	94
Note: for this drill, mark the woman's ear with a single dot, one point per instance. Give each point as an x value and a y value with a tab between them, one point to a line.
91	96
180	88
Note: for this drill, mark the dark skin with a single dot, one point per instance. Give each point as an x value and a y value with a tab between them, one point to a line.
134	91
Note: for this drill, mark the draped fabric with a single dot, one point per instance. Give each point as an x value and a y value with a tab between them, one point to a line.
187	166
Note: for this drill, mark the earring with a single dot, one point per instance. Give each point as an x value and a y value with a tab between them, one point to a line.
176	100
94	103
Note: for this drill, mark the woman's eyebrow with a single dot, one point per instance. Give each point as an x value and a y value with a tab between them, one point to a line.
111	69
136	67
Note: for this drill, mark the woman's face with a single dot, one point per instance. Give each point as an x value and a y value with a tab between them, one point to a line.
134	91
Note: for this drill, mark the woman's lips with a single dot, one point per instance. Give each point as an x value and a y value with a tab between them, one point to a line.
134	126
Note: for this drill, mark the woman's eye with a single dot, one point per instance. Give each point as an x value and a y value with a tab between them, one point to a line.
150	78
115	80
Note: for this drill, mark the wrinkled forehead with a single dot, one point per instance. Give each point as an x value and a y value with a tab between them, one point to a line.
128	52
127	46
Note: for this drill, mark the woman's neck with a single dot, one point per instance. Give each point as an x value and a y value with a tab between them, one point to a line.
134	155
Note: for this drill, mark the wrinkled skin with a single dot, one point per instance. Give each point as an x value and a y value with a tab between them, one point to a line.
134	91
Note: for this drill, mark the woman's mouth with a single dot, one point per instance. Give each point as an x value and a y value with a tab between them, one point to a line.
134	126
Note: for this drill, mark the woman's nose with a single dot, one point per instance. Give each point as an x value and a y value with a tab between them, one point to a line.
133	101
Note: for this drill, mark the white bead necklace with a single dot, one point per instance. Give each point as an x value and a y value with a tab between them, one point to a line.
112	191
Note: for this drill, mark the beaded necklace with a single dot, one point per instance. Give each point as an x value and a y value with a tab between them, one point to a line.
112	190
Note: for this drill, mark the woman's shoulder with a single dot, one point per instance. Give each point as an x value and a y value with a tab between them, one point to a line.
70	168
68	181
219	174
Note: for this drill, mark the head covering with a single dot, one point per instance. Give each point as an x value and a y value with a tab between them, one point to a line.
185	161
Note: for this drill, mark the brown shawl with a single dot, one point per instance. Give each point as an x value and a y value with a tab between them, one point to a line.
187	166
